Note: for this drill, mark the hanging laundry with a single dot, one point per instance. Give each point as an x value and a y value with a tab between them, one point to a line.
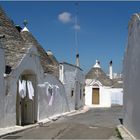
22	88
41	85
56	89
48	89
51	99
52	95
30	90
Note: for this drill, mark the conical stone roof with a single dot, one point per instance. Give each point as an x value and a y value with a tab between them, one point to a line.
16	45
98	74
49	63
12	41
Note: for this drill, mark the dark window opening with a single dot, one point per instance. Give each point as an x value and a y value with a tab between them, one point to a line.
72	92
80	94
8	69
18	28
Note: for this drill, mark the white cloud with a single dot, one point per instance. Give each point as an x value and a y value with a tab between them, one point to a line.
77	27
65	17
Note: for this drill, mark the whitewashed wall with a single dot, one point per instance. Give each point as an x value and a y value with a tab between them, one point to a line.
60	102
2	86
28	63
132	78
88	95
73	78
32	63
116	96
105	96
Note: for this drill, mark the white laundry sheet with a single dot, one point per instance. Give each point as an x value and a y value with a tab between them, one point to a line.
49	88
53	94
30	90
51	100
22	88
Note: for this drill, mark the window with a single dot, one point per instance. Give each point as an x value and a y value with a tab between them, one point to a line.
80	92
84	92
72	93
61	73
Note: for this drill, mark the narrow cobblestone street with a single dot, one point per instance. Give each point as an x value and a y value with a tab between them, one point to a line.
93	124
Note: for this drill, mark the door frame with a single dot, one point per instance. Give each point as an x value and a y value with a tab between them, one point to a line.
93	96
19	101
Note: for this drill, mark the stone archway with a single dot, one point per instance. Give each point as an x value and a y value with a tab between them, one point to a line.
26	108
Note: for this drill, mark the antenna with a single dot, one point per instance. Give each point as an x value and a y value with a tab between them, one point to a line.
76	27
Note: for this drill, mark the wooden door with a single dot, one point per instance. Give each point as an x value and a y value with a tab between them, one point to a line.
27	111
28	105
95	96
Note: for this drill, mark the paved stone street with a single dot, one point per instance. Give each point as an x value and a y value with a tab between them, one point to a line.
93	124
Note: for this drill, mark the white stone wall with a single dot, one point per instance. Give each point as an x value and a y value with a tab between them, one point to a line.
32	63
29	62
88	95
73	80
116	96
104	95
2	86
131	72
60	102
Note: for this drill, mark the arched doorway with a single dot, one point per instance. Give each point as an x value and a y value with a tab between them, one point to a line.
26	108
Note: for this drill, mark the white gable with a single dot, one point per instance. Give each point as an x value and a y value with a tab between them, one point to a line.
94	83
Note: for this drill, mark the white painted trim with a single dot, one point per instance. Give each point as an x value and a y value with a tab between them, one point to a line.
25	29
95	82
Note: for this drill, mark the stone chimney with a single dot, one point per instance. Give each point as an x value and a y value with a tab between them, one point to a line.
110	70
77	60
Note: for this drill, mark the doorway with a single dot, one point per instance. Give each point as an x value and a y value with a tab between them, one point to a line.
95	96
26	109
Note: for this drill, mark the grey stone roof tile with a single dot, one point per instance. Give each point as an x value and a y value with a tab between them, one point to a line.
12	43
16	45
99	74
48	62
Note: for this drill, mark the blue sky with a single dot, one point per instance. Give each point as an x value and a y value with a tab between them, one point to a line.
102	34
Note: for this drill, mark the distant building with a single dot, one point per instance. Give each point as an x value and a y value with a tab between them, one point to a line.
131	72
102	90
74	82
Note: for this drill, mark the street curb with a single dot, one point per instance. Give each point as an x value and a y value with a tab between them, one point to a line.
126	135
15	129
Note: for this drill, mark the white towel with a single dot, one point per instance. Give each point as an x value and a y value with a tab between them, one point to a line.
50	90
51	99
52	95
56	89
41	85
22	88
47	85
30	90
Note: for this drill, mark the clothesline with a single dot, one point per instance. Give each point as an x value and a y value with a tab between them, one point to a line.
51	90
